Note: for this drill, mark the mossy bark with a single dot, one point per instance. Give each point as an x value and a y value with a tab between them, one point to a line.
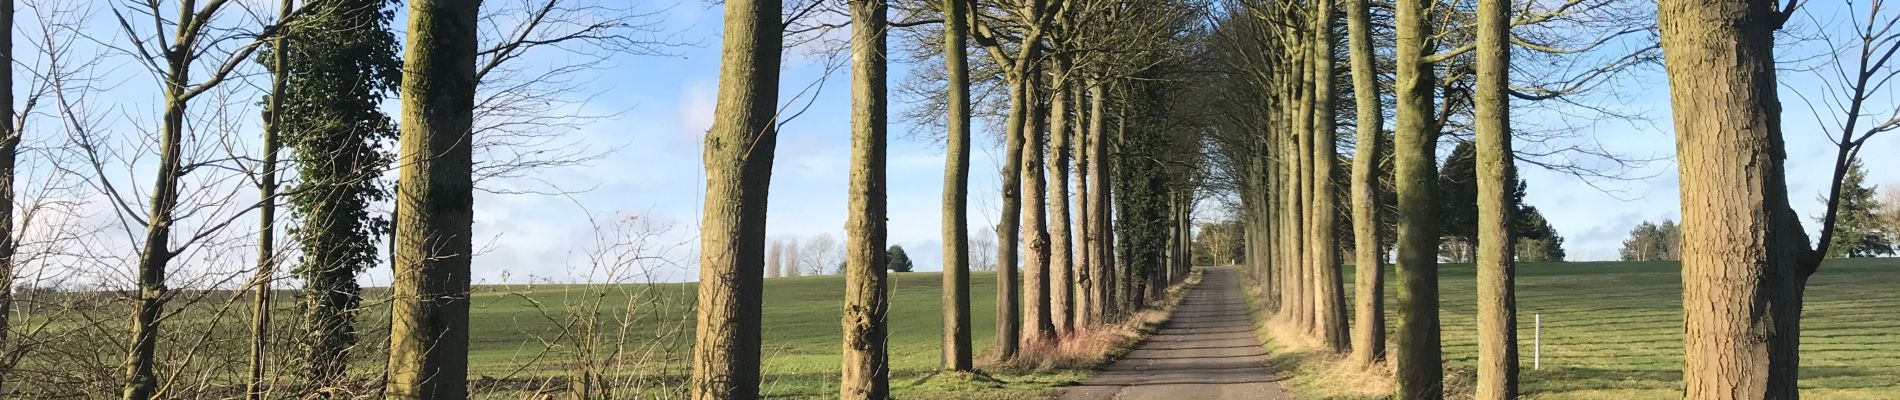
428	349
1061	260
1497	265
1368	328
1328	296
866	305
267	217
738	156
956	190
1037	321
1420	370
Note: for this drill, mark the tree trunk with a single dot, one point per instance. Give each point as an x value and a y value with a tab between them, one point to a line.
1061	262
428	349
1008	292
1420	371
1329	297
1368	336
1102	261
1037	319
1305	302
1085	277
866	360
155	253
1743	248
9	152
267	215
956	191
1497	178
738	155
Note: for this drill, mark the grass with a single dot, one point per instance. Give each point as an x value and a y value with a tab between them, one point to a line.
1613	331
513	326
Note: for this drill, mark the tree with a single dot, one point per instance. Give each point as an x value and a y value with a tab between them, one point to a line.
341	66
1368	328
738	158
1857	230
428	349
788	258
9	151
1329	298
1458	198
1496	174
267	212
1420	373
191	35
899	260
1653	242
956	191
775	259
866	358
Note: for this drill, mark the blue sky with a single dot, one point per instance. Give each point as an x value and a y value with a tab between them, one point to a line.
657	172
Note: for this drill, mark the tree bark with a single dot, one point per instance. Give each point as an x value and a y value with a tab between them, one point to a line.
1329	297
956	191
1304	303
1086	304
1368	336
155	253
9	152
1061	262
267	215
1420	373
738	156
1497	178
1102	259
1008	226
428	349
1743	248
1037	319
866	359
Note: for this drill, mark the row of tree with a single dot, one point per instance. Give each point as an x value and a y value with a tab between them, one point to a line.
1085	113
1444	71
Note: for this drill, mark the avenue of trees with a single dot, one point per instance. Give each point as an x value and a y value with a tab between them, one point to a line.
1316	124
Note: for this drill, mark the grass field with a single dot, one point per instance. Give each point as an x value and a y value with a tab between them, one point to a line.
513	326
1614	331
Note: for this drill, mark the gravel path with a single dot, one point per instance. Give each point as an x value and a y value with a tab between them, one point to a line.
1208	350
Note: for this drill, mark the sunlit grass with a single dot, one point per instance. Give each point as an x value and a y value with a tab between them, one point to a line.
1613	330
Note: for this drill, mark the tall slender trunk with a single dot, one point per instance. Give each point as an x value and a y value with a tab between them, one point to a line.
956	191
1368	328
1497	265
9	151
267	215
1061	262
1304	303
1744	255
1008	227
738	155
1329	297
1085	276
1037	319
866	357
155	253
1420	372
1102	259
428	349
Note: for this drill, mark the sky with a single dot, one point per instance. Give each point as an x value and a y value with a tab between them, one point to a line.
658	175
661	105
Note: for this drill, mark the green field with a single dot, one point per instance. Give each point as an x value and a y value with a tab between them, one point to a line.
1610	331
1613	330
801	335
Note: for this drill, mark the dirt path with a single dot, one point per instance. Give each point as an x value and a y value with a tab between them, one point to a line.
1208	350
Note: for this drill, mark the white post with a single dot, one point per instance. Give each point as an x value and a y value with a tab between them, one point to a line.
1537	343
